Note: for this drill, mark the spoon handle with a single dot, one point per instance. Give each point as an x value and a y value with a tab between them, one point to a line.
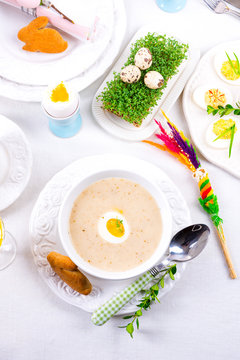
112	306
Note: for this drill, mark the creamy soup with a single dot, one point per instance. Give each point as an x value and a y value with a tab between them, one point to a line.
115	224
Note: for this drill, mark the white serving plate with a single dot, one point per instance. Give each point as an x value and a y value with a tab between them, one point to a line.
24	75
15	162
198	120
44	230
121	128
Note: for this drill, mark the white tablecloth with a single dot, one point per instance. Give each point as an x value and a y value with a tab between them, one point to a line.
200	317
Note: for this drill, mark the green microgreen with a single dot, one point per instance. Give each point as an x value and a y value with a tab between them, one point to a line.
235	69
133	102
223	110
149	296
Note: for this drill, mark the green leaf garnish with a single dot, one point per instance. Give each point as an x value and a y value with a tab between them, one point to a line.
150	296
228	109
236	70
130	329
237	61
232	129
224	132
231	140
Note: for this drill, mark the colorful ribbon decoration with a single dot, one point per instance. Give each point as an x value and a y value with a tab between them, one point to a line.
175	142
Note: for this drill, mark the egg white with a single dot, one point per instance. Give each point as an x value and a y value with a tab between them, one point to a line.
221	143
220	58
199	94
105	234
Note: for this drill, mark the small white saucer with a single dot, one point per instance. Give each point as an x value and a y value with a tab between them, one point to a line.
15	162
44	231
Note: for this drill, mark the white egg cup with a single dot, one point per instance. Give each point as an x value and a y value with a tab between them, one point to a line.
66	208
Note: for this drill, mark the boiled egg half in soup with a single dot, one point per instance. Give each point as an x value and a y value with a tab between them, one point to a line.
113	227
227	66
217	128
210	95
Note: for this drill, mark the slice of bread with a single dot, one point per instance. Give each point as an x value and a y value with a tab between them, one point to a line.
68	271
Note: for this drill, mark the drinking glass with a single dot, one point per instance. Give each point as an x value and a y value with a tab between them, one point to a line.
171	5
8	247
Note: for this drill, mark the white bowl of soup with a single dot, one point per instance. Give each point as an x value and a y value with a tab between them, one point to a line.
115	224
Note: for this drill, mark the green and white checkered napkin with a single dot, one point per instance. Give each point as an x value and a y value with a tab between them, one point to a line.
112	306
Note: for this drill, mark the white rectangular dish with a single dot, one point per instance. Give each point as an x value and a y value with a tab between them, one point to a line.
199	121
121	128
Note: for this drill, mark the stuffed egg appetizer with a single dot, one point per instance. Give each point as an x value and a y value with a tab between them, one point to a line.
209	95
113	227
227	66
219	133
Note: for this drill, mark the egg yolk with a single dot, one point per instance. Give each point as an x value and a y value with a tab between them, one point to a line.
60	93
215	97
115	227
221	125
228	71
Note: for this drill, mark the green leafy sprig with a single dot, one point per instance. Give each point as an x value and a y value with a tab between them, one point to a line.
150	296
133	102
235	69
223	110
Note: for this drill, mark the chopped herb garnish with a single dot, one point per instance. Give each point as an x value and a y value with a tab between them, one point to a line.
118	224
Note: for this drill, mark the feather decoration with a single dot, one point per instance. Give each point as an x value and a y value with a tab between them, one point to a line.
175	143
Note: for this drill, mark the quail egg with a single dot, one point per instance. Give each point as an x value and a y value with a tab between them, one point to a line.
153	80
143	58
130	74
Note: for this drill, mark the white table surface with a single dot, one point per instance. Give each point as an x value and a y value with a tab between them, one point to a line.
200	317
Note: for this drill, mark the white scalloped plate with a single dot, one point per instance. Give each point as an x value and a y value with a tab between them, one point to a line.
68	65
44	233
35	68
15	162
198	120
121	128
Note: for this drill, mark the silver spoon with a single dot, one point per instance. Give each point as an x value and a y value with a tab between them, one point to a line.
184	246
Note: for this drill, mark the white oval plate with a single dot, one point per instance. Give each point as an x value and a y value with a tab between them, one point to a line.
44	232
121	128
15	162
68	63
198	120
